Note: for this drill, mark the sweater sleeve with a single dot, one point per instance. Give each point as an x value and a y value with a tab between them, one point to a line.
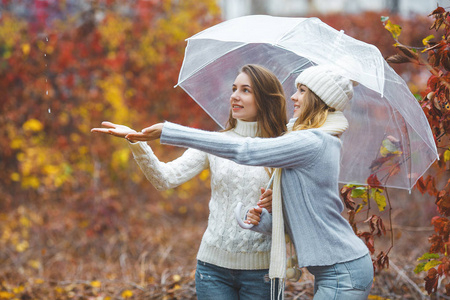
265	224
164	176
294	149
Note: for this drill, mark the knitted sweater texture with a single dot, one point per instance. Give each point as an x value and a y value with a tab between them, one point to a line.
224	243
309	185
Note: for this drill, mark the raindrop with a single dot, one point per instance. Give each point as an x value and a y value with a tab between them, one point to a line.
45	54
46	92
46	39
49	111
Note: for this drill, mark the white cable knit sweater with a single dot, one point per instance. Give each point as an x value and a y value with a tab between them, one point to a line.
224	243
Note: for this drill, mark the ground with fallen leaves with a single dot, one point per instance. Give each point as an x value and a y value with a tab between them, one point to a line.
132	248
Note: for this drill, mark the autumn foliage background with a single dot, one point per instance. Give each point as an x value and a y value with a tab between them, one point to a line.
78	220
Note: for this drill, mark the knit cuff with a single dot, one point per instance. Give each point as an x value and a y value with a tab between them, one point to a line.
140	148
265	225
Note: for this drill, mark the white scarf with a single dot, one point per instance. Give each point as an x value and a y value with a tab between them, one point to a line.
335	124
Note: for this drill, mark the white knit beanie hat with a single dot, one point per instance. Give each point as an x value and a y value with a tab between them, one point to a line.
334	89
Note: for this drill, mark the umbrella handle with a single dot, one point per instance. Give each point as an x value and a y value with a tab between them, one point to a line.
237	210
237	216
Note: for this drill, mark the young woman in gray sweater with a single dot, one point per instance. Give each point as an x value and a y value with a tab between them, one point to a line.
308	158
232	262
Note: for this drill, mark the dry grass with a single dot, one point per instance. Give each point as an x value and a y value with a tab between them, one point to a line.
136	250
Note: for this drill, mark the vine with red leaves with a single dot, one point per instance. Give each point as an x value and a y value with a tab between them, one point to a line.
436	106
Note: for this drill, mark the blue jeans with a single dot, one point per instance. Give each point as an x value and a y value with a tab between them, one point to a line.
350	280
217	283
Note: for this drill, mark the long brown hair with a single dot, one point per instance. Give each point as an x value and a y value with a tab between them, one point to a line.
313	112
270	102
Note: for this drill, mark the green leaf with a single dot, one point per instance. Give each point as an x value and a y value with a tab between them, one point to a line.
359	192
384	18
431	264
428	256
379	198
419	267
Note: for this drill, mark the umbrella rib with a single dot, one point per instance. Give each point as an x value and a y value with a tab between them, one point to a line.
205	64
199	104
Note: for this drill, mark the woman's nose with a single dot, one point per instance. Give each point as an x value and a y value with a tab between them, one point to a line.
294	97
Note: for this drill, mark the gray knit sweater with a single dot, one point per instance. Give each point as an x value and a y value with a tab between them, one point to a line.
224	243
309	185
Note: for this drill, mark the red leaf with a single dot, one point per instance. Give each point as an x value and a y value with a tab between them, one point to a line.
443	203
373	182
346	193
441	225
431	281
382	261
439	10
368	238
437	244
376	224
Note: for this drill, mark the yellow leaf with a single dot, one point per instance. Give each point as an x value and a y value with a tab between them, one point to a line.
25	221
18	289
431	264
373	297
26	49
127	294
427	39
39	281
204	175
32	125
22	246
15	177
96	284
6	295
16	143
176	277
34	264
447	155
394	29
379	199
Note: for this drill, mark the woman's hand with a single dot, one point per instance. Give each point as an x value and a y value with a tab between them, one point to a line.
266	199
254	216
147	134
115	130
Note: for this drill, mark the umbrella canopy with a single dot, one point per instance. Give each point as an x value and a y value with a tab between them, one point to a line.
389	135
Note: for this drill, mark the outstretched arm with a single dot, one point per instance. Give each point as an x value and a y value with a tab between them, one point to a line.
162	175
295	149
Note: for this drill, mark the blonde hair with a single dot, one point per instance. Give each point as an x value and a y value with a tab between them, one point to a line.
271	115
313	113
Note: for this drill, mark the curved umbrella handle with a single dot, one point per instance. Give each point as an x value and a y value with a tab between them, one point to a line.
237	216
237	210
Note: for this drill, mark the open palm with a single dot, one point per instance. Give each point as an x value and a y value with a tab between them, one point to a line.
114	129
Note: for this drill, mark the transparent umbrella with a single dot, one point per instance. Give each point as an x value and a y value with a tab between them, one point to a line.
389	136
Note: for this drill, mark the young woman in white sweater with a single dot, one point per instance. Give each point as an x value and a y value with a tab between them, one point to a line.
232	263
308	159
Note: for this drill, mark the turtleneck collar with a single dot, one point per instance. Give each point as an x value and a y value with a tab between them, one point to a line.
243	128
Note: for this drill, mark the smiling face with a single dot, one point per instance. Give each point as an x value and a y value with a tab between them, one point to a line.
298	99
242	100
